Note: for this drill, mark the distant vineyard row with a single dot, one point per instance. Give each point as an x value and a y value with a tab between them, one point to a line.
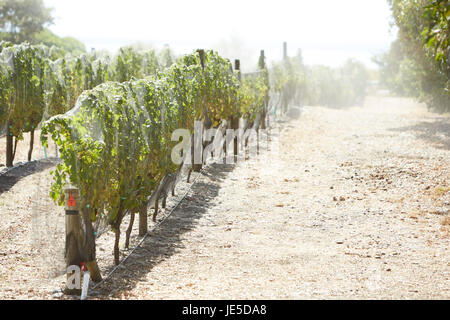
37	82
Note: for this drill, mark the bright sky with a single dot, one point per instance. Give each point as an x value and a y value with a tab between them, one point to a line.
327	31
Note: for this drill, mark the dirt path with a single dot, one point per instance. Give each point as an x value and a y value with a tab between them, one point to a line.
354	207
357	205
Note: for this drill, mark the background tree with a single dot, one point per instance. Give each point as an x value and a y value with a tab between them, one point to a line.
21	20
67	44
417	64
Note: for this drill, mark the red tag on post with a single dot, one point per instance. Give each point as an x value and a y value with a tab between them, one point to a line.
71	202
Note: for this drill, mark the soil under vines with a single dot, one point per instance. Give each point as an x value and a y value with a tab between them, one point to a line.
356	206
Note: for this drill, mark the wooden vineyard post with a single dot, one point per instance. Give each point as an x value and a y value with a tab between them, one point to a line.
143	224
284	105
73	229
195	166
201	53
262	60
9	146
235	120
237	67
262	67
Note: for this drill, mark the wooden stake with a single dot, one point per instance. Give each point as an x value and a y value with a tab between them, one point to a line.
201	53
262	60
262	66
30	151
143	224
9	146
237	67
73	228
195	167
235	120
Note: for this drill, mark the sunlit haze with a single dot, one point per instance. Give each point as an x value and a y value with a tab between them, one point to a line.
327	31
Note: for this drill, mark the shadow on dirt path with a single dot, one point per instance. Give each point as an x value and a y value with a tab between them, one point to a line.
436	131
166	240
14	175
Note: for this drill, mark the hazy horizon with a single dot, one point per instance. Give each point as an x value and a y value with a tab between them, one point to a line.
328	32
